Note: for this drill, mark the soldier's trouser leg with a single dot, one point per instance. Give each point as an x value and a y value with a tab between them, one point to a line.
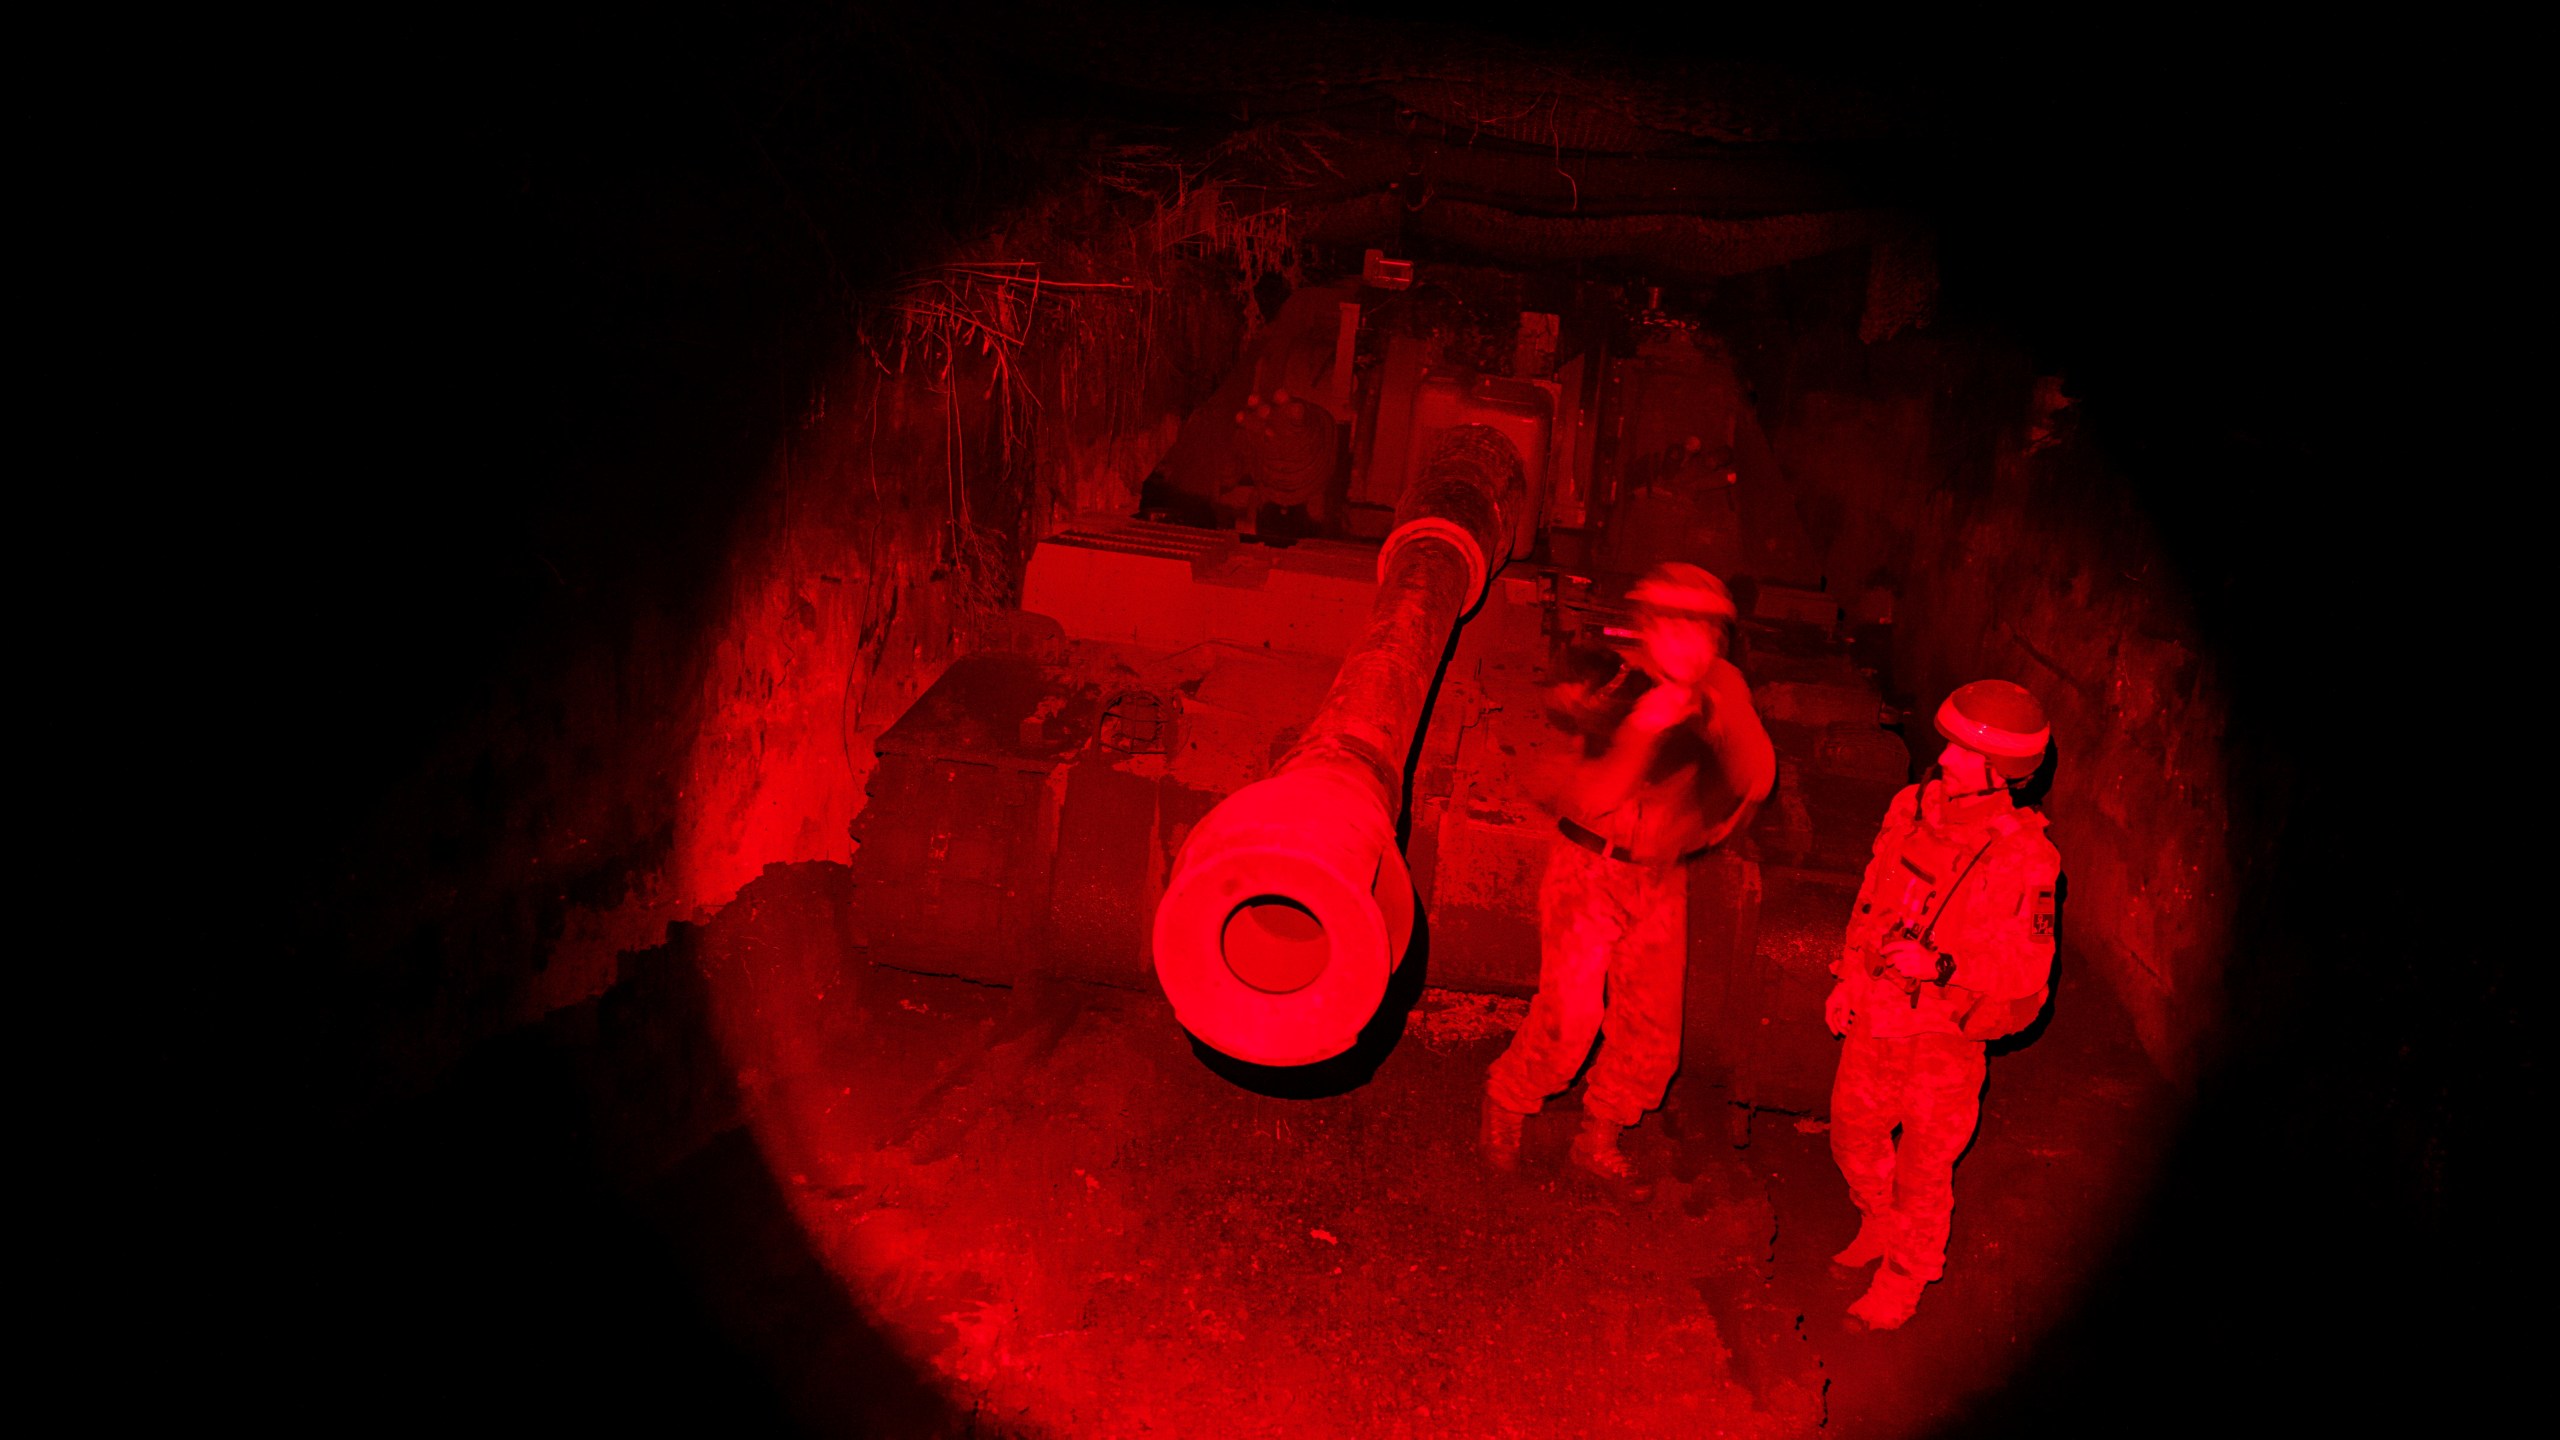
1930	1085
1640	1020
1579	923
1866	1103
1941	1102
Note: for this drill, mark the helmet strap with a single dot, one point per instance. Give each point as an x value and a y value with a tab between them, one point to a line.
1963	804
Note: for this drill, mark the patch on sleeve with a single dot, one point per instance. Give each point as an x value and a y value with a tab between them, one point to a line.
2044	913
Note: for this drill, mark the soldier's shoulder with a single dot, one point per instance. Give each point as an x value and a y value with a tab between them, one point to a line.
1730	715
1727	680
2030	847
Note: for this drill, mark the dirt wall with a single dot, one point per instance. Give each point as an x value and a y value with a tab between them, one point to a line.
1956	490
638	767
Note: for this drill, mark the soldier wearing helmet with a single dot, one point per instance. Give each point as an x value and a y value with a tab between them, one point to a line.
1950	945
1674	761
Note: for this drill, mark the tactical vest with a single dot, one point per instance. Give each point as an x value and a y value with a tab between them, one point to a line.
1930	870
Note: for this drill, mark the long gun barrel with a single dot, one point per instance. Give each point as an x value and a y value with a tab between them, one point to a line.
1289	905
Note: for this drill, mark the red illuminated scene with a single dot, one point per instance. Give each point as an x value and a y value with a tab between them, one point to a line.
1099	720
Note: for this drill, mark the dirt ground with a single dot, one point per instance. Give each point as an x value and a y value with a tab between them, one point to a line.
1067	1223
902	1204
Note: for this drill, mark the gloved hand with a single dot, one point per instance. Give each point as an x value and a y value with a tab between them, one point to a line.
1664	706
1837	1010
1911	959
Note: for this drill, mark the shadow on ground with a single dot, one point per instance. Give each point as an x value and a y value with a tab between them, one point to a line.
576	1232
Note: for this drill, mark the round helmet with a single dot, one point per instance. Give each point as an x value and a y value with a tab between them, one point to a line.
1680	591
1999	720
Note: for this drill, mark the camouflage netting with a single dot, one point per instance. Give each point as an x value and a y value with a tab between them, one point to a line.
1902	274
1587	101
1315	182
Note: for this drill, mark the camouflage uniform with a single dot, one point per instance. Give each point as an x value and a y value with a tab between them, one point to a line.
1978	887
1613	932
1604	926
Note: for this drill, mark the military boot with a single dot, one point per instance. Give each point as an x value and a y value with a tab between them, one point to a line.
1869	1247
1499	1136
1890	1300
1596	1153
